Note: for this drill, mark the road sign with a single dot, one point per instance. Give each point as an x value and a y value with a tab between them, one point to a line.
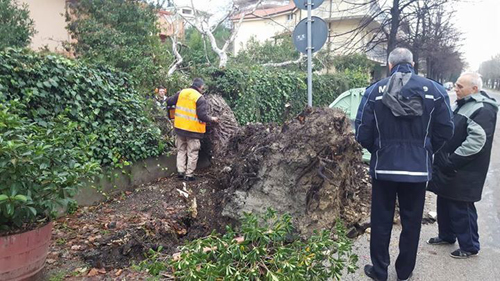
319	31
302	4
309	36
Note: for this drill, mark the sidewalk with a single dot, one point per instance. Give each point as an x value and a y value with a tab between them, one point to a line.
434	262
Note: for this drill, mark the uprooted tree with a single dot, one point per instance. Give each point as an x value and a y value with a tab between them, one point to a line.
310	167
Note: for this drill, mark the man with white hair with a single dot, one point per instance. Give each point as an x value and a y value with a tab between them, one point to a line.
402	120
460	167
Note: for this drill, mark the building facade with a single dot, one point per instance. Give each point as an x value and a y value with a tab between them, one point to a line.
351	29
49	17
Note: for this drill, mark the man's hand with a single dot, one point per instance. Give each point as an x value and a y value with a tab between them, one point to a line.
215	119
444	164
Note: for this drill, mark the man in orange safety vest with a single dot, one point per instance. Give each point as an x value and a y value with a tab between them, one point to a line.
191	116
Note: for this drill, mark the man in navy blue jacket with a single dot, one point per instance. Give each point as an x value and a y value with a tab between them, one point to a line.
402	120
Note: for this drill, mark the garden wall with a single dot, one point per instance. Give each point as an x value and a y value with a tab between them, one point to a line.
140	172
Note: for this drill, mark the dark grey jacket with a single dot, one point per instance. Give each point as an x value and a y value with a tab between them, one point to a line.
460	168
201	111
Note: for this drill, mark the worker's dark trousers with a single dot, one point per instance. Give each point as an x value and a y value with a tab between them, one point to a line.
411	197
457	219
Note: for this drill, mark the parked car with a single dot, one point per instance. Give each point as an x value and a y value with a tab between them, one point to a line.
349	102
448	86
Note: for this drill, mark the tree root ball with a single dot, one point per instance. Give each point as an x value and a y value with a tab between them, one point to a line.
310	167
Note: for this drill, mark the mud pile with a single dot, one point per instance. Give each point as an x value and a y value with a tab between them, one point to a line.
310	167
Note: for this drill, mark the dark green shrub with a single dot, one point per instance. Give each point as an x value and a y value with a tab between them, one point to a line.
270	251
121	34
258	94
16	26
353	62
100	101
41	166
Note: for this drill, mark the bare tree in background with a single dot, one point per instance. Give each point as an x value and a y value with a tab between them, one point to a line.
433	39
420	25
202	22
490	70
439	47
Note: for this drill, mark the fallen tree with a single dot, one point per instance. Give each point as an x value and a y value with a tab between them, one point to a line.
219	134
310	167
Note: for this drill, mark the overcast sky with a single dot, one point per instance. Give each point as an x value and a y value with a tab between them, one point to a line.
479	20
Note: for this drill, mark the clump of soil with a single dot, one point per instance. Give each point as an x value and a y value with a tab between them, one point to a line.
310	167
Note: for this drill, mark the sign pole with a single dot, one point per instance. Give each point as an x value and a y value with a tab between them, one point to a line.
309	45
309	54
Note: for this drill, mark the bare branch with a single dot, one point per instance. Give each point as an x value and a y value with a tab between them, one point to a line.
285	63
273	20
203	27
178	57
236	28
231	12
206	50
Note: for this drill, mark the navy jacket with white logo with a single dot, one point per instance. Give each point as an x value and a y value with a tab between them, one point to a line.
403	120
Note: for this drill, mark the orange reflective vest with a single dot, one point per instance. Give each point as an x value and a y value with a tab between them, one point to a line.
171	112
185	112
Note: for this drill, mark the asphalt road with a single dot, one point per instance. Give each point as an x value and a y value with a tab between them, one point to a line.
434	262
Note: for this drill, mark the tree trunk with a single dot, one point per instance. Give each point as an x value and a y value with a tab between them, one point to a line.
178	58
416	57
392	42
429	68
222	59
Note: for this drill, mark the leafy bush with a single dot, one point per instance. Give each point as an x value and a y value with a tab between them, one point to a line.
121	34
260	94
176	82
353	62
41	167
155	262
100	101
270	250
16	26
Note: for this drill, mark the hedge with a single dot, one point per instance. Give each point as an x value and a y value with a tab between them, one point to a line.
258	94
102	102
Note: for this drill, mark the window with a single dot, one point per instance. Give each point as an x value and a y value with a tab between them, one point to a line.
186	11
289	17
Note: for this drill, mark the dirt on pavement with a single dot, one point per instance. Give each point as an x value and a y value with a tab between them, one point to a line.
116	234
